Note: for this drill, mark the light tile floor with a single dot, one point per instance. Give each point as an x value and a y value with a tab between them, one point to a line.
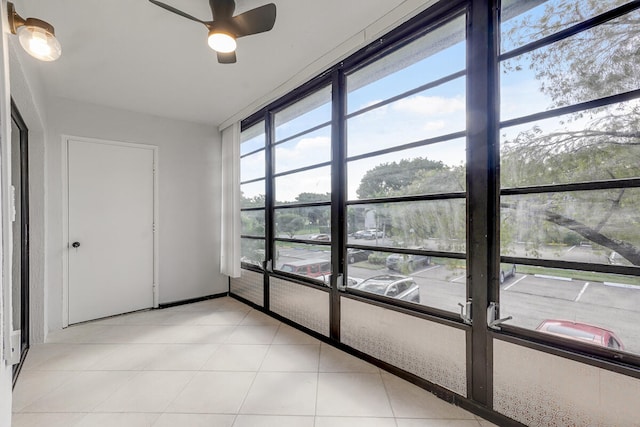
213	363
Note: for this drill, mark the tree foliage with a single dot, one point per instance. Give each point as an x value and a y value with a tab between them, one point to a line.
414	223
387	179
590	145
290	223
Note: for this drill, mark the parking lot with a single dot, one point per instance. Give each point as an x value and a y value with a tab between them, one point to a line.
529	298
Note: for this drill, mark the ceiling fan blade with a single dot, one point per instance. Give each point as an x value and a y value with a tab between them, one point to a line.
255	21
176	11
226	58
222	9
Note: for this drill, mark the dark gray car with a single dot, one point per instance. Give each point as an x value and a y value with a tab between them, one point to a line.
407	263
391	285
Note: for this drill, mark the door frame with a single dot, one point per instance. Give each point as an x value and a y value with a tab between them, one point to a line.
23	199
65	216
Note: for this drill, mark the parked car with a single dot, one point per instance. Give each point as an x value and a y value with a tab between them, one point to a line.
320	237
506	271
389	285
404	262
582	332
372	233
307	267
359	234
357	255
351	281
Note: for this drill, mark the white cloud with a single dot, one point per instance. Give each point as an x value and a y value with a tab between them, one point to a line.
319	142
306	151
436	125
288	187
432	105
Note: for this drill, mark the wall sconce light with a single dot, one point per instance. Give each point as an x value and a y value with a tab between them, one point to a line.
37	37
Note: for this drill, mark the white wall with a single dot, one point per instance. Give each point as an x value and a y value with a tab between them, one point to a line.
189	191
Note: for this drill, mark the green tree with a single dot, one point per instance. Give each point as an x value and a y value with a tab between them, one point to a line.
253	202
414	223
290	223
319	215
313	197
602	143
386	179
252	223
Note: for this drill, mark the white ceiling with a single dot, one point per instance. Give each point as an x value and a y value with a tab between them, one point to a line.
133	55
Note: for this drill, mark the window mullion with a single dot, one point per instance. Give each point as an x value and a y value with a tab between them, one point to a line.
269	203
483	190
338	194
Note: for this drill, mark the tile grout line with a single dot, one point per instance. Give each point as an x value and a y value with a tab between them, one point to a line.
386	392
244	399
315	409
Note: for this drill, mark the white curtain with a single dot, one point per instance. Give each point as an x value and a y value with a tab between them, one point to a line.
230	230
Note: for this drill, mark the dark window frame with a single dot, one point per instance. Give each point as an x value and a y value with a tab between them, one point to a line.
483	187
587	353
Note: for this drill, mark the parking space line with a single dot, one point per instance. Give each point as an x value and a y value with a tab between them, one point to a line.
570	249
584	288
458	278
621	285
419	272
511	285
546	276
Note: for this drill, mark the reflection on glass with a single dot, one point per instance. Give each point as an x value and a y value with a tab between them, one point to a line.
298	187
310	261
592	308
437	54
252	166
435	282
252	251
307	150
311	111
525	21
437	225
252	139
596	63
434	112
253	223
600	226
436	168
598	144
253	195
305	223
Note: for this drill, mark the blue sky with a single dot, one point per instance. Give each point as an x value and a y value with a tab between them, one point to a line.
435	112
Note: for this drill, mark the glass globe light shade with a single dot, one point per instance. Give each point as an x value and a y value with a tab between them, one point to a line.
39	42
221	42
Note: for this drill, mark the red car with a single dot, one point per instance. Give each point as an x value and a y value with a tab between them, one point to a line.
581	332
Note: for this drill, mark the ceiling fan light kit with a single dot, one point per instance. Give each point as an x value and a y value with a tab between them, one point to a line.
36	36
221	42
225	28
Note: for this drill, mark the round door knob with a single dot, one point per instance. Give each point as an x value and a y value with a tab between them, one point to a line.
75	244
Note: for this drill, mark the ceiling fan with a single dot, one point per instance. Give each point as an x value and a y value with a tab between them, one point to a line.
225	28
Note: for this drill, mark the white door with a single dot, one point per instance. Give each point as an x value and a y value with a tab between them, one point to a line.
110	229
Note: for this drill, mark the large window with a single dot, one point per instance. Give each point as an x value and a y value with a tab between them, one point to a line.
570	205
252	177
408	173
302	187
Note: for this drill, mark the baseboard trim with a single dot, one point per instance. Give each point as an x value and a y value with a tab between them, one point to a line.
192	300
